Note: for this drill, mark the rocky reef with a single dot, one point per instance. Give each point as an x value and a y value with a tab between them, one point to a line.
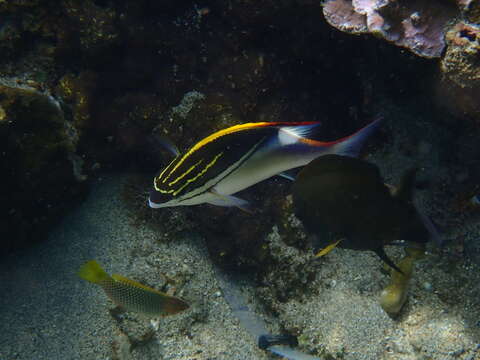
418	26
124	74
447	30
87	87
42	175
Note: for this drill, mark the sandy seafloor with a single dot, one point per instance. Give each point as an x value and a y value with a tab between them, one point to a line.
47	312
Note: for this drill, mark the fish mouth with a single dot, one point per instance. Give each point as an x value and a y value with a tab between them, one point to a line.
155	205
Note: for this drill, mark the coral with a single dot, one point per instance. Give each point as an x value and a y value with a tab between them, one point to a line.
22	20
93	25
418	26
430	29
461	71
471	9
461	63
77	91
41	174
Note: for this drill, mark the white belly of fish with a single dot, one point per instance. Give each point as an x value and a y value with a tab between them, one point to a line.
262	165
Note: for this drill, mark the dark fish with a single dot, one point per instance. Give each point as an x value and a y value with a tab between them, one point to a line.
235	158
343	201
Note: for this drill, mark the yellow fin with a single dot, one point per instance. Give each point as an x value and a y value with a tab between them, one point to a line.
326	250
136	284
93	272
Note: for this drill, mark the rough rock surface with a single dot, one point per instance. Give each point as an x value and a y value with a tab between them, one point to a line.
41	173
419	26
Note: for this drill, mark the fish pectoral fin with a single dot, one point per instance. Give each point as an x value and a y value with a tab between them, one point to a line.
327	249
382	255
229	200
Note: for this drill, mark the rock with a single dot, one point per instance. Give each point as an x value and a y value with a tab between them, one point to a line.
41	173
417	26
460	63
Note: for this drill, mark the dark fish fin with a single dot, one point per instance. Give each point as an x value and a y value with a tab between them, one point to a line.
382	255
407	185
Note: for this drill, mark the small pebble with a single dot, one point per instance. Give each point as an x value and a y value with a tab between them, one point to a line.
427	286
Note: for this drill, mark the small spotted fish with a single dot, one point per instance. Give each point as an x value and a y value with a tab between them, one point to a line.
131	295
240	156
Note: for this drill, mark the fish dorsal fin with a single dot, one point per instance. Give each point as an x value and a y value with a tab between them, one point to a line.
291	134
136	284
407	185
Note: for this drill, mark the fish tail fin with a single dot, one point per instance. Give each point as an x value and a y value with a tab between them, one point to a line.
93	272
351	145
382	255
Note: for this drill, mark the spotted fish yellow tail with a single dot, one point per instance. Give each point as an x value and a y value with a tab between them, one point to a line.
93	272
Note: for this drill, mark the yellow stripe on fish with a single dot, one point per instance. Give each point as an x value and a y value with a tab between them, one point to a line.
214	136
201	173
132	295
235	158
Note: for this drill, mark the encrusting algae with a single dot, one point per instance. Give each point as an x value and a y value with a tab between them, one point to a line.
131	295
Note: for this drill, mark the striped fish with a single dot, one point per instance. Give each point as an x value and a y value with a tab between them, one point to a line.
235	158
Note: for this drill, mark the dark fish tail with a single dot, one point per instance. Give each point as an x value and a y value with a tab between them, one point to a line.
382	255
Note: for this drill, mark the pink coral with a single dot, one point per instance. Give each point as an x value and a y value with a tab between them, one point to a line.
417	25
